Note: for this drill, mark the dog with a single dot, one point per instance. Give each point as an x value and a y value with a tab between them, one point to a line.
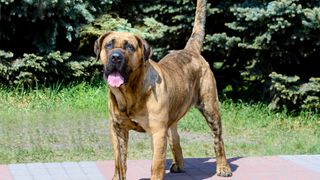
152	97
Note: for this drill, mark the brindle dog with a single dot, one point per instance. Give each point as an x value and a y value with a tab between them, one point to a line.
152	97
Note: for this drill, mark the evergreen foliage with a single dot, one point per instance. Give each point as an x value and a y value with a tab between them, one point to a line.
42	26
33	70
267	49
291	92
265	37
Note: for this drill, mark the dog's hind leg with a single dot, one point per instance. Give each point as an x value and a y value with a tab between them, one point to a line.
208	105
174	142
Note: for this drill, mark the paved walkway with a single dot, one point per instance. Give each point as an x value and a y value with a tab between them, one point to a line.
304	167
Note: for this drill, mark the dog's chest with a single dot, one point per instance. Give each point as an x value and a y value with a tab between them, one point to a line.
136	126
139	122
130	122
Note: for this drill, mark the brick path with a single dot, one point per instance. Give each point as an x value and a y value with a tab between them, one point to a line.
270	167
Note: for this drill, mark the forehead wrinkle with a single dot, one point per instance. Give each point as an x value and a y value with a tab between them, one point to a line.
108	40
120	39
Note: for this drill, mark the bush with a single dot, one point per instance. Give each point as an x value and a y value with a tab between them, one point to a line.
292	93
261	37
246	41
32	70
29	26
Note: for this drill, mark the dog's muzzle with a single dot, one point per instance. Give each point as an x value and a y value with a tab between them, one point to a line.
116	72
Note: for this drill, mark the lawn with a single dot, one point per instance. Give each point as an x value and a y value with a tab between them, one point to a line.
70	124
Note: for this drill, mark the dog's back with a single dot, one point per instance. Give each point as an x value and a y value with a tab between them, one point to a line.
192	51
186	65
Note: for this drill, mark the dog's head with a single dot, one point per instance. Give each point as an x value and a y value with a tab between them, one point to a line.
121	54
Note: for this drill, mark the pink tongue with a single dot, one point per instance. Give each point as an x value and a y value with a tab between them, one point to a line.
115	79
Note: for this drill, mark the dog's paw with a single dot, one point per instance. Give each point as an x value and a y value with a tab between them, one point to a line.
116	177
175	168
224	171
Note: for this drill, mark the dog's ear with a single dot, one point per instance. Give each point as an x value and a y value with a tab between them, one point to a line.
147	51
98	44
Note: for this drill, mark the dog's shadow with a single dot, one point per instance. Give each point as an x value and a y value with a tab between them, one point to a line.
197	168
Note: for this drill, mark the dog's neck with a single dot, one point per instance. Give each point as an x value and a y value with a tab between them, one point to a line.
139	86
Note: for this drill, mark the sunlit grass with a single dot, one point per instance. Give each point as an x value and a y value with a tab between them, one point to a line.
70	124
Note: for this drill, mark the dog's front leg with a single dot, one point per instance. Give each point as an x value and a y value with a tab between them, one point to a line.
159	142
120	146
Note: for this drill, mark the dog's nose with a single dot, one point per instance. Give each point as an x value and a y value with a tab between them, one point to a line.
116	57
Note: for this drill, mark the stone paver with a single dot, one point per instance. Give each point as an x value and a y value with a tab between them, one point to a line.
298	167
5	173
311	162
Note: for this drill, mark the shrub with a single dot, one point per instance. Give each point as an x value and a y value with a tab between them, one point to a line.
29	26
261	37
289	92
246	41
32	70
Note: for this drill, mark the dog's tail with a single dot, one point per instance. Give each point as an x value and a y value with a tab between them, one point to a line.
195	42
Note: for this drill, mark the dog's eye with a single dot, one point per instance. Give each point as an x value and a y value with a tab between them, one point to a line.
129	47
109	46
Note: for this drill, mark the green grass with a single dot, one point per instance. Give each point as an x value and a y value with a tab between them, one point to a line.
70	124
53	124
253	130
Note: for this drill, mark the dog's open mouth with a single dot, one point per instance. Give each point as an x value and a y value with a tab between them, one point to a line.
115	79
